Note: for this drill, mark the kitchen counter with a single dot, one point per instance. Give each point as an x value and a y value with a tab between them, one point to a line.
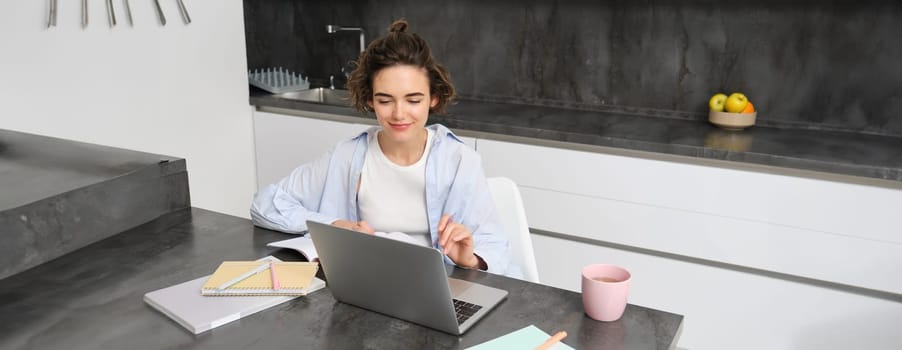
846	156
92	299
36	167
59	195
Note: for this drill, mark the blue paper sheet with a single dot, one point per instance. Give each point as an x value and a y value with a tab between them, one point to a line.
528	337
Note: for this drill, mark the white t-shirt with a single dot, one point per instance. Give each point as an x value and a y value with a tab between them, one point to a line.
392	198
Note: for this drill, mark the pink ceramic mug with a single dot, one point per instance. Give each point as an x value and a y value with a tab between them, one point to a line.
605	288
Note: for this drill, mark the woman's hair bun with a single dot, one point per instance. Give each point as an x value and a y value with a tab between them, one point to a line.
399	26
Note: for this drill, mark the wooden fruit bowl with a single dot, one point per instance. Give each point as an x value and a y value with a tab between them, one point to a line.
732	121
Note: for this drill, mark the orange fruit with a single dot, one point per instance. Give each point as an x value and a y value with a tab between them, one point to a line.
748	108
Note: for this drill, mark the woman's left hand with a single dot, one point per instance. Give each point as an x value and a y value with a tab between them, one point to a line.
457	242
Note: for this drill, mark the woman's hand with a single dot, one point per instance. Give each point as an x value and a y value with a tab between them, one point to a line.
360	226
457	243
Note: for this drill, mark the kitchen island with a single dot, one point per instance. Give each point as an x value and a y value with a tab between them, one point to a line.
92	299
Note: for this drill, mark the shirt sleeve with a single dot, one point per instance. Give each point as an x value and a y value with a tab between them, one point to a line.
288	204
480	215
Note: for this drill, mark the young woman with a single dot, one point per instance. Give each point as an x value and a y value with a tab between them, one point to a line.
401	176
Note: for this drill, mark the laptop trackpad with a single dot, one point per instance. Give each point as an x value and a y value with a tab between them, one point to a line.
458	287
475	293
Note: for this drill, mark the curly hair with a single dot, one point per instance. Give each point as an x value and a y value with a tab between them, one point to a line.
399	48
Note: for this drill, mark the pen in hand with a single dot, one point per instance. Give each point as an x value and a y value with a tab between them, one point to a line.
275	280
553	340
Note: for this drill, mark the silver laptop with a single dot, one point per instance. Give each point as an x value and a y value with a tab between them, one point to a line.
399	279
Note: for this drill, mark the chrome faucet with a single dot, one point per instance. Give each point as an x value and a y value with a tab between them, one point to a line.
331	28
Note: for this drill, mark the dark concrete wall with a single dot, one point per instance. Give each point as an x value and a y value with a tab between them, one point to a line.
816	64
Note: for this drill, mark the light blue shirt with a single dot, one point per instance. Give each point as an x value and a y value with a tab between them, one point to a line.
325	190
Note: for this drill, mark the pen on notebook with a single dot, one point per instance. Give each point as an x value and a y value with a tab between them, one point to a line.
243	276
553	340
275	279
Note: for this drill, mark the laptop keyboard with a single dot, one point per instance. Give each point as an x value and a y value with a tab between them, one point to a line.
464	310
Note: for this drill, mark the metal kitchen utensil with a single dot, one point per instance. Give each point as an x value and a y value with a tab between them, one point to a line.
184	11
277	80
111	12
159	12
128	13
51	21
84	13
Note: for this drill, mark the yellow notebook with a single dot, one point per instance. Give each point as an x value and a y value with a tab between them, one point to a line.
295	278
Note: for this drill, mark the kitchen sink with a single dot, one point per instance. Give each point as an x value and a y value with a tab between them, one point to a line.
335	97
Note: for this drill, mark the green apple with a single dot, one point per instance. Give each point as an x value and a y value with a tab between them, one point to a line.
717	102
736	103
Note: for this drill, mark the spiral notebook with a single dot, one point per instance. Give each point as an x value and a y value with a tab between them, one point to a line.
291	277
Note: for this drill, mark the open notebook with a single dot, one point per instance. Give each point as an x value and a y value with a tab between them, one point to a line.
304	244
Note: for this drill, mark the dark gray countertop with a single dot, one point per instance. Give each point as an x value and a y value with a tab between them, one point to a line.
829	152
58	195
92	298
34	167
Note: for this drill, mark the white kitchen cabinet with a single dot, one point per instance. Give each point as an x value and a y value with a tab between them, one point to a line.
786	224
283	142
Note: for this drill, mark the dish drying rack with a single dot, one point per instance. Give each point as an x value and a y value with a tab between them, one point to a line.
277	80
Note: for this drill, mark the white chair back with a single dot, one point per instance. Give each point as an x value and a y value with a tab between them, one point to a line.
510	207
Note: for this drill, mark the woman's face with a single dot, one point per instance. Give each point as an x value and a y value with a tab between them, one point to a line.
401	102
